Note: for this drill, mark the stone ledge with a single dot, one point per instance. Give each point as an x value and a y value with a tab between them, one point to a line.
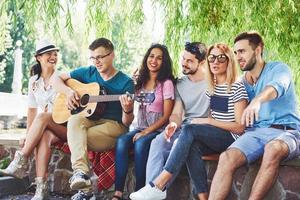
11	186
12	139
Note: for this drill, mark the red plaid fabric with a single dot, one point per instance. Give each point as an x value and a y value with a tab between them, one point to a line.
103	164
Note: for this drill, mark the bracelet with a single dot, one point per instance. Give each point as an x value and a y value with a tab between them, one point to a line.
128	112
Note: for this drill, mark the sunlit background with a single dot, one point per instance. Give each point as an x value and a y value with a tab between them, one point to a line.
133	25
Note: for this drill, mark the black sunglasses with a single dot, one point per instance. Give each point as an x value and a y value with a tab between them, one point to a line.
221	58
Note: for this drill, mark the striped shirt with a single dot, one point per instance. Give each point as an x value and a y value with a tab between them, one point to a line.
222	102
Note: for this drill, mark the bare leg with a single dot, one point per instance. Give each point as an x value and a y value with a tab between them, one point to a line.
275	151
117	193
35	132
58	130
165	176
203	196
162	180
43	153
229	162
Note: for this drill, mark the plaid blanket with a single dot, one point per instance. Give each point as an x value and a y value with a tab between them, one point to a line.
103	164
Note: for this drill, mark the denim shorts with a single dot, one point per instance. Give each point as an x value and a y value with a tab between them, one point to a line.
252	143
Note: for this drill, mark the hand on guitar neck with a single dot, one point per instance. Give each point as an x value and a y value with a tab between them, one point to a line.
89	101
126	103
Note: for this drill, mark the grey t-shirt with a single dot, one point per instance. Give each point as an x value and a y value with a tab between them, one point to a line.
192	95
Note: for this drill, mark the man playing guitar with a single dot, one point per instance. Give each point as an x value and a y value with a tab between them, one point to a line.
100	134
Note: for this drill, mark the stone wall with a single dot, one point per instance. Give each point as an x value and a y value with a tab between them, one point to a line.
287	186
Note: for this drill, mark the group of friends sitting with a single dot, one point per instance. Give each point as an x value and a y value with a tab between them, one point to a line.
209	110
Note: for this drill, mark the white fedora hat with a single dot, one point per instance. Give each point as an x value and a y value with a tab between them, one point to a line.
44	46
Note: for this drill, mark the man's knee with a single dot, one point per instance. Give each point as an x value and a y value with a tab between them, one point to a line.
275	151
231	160
159	141
75	120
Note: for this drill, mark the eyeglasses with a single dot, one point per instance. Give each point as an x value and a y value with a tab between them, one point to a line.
220	58
99	58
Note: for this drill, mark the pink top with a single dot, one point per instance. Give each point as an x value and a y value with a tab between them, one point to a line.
150	113
163	91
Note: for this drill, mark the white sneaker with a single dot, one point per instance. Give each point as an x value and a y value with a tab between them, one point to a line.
79	180
148	193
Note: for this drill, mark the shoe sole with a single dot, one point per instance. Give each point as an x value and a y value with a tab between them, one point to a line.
80	185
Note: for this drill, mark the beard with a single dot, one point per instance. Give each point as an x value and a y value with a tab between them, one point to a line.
188	71
250	65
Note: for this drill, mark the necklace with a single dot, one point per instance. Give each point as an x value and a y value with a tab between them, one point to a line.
253	79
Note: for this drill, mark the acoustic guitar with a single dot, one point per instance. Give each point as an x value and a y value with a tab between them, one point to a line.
92	101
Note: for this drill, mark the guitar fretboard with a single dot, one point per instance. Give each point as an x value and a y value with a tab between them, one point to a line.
104	98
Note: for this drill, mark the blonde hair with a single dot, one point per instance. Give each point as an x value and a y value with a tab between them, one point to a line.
231	71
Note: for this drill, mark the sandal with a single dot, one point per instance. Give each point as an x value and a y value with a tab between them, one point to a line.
117	197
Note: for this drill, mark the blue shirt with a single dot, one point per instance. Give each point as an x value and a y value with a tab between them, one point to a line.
119	84
283	109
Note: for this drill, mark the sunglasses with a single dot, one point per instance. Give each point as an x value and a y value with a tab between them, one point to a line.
220	58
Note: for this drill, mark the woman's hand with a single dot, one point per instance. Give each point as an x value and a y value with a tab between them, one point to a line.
170	130
139	135
201	121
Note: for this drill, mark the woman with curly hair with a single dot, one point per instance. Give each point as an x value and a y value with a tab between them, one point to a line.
155	76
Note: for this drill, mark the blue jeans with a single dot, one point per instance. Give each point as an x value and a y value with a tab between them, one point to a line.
141	151
195	141
158	154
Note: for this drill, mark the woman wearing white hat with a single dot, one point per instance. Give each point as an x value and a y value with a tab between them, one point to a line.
41	130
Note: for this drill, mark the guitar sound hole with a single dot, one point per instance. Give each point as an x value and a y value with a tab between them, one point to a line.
84	100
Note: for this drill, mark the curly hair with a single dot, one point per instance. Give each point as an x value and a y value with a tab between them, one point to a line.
165	72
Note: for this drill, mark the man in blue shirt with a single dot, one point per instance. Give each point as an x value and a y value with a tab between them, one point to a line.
100	134
271	117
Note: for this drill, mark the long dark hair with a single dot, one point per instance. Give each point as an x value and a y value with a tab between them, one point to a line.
165	72
36	69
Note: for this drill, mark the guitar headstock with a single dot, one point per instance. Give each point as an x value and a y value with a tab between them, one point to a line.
144	97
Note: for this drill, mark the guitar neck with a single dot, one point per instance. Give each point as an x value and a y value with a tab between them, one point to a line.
104	98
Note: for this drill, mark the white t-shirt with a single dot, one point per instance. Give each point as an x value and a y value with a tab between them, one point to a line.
39	96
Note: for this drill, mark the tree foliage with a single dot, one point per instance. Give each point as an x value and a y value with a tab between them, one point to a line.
184	20
220	20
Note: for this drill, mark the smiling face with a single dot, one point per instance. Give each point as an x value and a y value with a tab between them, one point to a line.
245	55
218	61
102	59
154	60
189	63
48	59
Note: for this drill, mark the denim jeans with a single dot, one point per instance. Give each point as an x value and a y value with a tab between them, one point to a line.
158	154
252	143
141	151
195	141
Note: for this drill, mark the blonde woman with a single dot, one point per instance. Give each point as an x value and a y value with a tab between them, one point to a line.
205	136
